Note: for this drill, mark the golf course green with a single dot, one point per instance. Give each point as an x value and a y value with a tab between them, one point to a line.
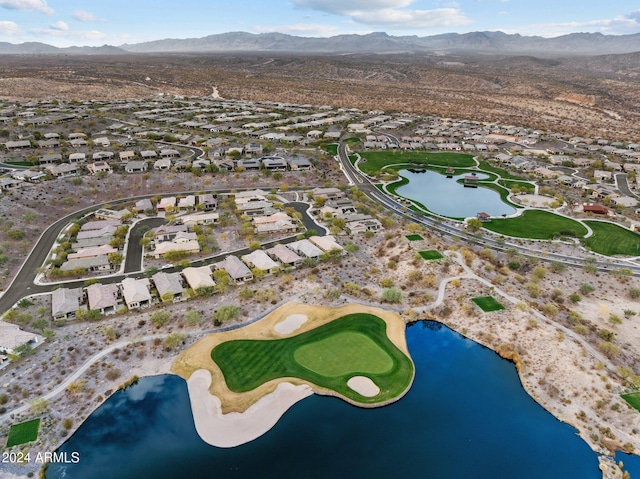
327	356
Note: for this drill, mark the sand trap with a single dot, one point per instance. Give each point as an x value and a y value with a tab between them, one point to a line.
234	429
291	323
364	386
535	200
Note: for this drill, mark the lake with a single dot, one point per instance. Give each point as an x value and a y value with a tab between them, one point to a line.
466	416
446	197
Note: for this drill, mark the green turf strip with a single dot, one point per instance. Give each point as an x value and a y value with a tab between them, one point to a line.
487	304
414	237
375	160
353	345
633	399
537	224
23	433
610	239
430	254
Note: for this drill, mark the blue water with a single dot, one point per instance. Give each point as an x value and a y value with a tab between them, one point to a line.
466	416
631	463
446	197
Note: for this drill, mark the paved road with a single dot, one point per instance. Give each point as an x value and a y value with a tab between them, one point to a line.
23	283
453	229
133	261
623	185
307	221
7	166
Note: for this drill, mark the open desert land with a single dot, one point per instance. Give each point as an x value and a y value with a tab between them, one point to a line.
556	351
572	331
581	95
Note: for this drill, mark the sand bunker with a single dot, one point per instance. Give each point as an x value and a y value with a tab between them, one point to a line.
364	386
537	201
234	429
291	323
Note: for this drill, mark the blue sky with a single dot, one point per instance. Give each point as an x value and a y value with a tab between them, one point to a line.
67	22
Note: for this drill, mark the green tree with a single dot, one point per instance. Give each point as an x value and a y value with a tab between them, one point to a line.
40	324
15	235
115	258
474	224
391	295
225	313
160	318
222	279
586	288
38	406
174	340
193	318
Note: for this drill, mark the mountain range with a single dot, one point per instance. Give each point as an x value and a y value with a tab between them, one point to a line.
478	42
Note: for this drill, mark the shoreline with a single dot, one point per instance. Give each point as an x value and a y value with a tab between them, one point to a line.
237	428
198	356
163	366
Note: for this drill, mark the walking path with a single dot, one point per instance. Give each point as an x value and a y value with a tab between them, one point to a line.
469	274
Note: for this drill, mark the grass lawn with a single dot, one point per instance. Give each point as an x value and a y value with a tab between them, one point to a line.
530	187
343	353
633	399
414	237
430	254
610	239
23	433
537	224
19	163
378	159
328	356
487	304
332	149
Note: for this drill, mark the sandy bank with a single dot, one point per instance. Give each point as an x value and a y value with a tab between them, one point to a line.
291	323
363	385
234	429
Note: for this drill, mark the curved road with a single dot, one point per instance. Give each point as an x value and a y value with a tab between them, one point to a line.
23	283
357	178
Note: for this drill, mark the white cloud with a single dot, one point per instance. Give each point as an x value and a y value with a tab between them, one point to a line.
60	26
407	19
300	29
28	6
620	25
56	31
344	7
84	16
9	28
389	13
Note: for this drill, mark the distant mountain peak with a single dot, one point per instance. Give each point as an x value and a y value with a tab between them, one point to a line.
380	42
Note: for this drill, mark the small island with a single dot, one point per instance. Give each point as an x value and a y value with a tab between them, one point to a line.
242	381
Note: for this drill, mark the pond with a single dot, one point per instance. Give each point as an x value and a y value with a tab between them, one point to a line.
446	197
466	415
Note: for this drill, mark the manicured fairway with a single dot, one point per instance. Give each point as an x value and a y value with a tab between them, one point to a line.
633	399
375	160
343	353
537	224
487	304
430	254
328	356
610	239
23	433
414	237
